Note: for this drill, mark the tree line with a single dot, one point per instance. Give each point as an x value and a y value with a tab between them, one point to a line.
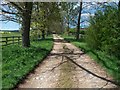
46	17
41	17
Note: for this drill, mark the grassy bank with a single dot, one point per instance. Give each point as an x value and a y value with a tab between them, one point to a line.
18	61
110	63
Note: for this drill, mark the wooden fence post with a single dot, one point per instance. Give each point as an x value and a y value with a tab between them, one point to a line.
6	40
13	39
19	40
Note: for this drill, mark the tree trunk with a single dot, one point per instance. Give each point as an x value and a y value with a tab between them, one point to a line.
39	36
47	33
68	28
26	24
43	34
78	25
119	5
62	27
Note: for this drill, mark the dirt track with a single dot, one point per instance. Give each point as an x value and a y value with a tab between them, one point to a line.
57	71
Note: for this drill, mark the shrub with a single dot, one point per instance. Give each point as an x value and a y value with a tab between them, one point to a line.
104	31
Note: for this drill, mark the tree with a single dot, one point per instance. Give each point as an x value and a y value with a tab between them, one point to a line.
26	24
68	10
84	8
20	11
46	13
79	18
119	5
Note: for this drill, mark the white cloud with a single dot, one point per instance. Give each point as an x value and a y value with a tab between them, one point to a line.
86	15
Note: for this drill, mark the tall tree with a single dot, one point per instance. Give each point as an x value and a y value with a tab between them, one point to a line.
119	5
21	13
26	23
79	18
68	9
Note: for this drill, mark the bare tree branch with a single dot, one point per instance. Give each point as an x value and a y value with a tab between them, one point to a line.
17	6
8	12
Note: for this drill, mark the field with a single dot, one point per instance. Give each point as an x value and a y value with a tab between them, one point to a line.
17	61
110	63
6	34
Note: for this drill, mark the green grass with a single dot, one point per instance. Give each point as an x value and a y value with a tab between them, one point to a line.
5	34
17	61
110	63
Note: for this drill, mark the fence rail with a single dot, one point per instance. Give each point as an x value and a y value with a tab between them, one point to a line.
4	41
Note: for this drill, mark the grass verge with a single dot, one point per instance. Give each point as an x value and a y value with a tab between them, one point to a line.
17	61
110	63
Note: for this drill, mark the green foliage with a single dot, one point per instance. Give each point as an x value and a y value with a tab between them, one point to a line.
34	34
18	61
73	30
104	31
82	32
47	17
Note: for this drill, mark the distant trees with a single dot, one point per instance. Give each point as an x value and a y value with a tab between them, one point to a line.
47	18
73	15
39	19
68	9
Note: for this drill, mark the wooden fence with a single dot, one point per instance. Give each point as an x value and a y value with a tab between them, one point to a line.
4	41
